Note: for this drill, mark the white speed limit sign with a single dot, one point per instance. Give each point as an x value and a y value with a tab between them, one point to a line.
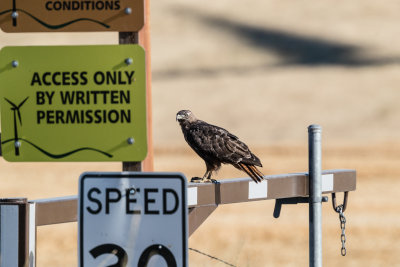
132	219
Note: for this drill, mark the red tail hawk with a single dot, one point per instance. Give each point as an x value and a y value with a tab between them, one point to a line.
216	145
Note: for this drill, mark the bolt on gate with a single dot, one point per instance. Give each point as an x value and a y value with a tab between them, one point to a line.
19	217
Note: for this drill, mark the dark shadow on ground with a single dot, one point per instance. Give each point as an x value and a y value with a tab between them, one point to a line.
293	49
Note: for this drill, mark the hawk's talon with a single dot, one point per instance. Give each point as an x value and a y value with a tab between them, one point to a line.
209	180
196	180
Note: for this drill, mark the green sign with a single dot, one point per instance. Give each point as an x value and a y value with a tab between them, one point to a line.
73	103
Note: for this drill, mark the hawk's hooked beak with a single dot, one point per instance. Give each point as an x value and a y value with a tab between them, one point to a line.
179	117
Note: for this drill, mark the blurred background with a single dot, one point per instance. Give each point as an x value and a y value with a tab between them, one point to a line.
264	70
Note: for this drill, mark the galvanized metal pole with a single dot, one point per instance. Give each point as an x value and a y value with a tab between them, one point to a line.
315	190
14	233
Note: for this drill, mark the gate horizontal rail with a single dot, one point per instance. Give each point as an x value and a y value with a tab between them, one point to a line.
64	209
19	218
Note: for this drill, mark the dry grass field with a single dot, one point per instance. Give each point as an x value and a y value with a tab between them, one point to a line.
247	234
264	70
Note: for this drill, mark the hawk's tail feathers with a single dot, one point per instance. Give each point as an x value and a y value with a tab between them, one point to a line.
252	171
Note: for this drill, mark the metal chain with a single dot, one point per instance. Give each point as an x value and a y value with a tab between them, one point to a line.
339	209
212	257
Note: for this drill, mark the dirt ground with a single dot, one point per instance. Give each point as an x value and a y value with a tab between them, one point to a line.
264	70
247	234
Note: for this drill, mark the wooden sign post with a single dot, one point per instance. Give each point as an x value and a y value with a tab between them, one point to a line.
143	38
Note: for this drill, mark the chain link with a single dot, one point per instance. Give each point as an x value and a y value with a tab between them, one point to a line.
339	209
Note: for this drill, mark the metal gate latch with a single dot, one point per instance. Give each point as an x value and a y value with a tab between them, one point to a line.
292	200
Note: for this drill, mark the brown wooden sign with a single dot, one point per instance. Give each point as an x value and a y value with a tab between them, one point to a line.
71	15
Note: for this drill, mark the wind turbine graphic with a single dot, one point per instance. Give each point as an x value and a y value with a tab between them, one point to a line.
16	112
